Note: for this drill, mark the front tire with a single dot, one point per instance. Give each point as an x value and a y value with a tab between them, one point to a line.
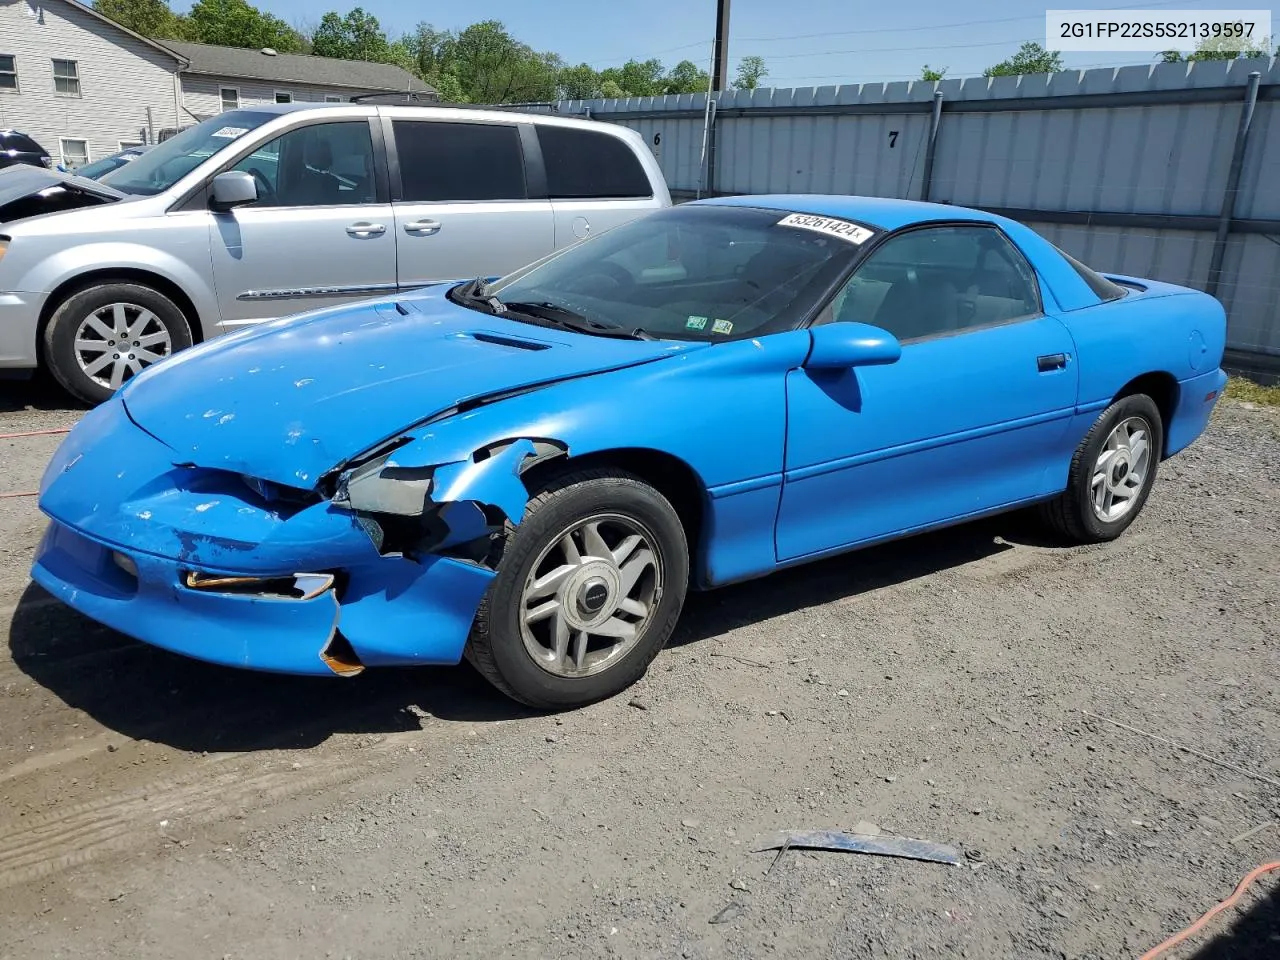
588	591
1111	473
101	336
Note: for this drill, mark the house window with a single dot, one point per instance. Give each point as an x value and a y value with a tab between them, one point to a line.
230	98
130	144
75	153
284	96
332	98
8	72
66	78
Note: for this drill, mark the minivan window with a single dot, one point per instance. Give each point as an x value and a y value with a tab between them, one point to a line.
161	167
322	164
583	164
442	161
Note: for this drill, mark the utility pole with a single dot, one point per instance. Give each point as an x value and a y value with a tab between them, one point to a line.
720	56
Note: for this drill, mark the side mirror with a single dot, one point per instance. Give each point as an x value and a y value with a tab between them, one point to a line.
234	188
839	346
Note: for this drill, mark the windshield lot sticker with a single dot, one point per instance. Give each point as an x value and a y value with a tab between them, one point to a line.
828	225
696	323
722	326
230	133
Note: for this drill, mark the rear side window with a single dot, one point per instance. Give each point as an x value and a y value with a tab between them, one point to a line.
19	142
459	161
582	164
1100	285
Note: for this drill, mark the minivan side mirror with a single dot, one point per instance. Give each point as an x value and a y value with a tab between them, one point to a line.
839	346
234	188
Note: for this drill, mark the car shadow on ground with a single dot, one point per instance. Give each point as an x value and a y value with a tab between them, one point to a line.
37	393
149	694
1254	934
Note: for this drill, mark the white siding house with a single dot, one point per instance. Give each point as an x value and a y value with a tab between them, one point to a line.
84	87
80	85
223	78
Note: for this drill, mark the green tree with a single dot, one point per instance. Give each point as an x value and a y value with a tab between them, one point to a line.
1030	58
235	23
150	18
578	83
357	36
929	75
751	70
493	67
635	78
686	77
1217	49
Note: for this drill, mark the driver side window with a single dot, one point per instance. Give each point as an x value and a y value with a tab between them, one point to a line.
939	280
325	164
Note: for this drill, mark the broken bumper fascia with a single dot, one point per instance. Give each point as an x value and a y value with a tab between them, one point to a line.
394	613
171	556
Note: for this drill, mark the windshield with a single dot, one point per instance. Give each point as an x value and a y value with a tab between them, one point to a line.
96	170
692	273
165	164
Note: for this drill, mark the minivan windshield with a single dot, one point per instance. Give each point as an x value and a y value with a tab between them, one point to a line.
165	164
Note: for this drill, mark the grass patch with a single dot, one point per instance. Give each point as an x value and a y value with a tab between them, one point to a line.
1242	388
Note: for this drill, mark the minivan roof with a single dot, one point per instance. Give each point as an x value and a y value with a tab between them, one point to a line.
441	111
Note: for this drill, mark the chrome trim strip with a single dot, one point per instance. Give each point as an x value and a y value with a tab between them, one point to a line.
306	292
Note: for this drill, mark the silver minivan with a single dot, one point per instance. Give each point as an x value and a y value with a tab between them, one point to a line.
266	211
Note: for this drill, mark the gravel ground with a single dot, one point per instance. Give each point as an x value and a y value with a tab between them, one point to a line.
939	688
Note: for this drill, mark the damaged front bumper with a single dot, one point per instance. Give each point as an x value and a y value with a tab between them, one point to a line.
197	562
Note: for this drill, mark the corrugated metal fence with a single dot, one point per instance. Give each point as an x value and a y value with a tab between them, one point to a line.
1170	171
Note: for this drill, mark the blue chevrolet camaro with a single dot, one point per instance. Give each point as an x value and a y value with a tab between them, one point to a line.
533	471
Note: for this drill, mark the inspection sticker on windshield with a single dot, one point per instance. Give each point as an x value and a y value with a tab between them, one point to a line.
696	323
828	225
230	133
722	326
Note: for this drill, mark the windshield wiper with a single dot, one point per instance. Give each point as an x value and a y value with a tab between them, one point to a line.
472	293
570	320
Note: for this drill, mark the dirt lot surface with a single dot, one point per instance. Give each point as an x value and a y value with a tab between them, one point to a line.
153	807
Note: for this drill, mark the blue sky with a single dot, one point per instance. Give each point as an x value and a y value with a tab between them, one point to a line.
805	42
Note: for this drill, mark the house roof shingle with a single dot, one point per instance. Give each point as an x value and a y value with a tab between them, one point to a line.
250	64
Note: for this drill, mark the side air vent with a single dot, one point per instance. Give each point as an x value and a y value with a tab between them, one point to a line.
501	341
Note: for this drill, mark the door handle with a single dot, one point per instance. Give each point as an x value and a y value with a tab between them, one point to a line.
363	229
1051	361
422	227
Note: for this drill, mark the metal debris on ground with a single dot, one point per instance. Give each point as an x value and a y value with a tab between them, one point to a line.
729	912
837	841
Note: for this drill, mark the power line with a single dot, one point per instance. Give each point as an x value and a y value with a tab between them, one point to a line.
944	26
911	49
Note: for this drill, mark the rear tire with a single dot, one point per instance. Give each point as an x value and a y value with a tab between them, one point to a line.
1111	474
546	593
101	336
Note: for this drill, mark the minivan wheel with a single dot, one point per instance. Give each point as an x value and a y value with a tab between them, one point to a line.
101	336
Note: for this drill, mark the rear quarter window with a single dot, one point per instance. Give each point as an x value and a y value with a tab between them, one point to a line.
583	164
20	142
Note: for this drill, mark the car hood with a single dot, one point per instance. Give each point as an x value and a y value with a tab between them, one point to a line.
292	399
27	191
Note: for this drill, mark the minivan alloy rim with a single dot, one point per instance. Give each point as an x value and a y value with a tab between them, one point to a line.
117	340
590	596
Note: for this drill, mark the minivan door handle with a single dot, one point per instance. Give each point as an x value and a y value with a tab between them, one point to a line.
422	227
363	229
1050	362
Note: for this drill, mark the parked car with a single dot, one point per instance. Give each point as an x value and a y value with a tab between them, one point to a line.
532	472
18	148
97	169
266	211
